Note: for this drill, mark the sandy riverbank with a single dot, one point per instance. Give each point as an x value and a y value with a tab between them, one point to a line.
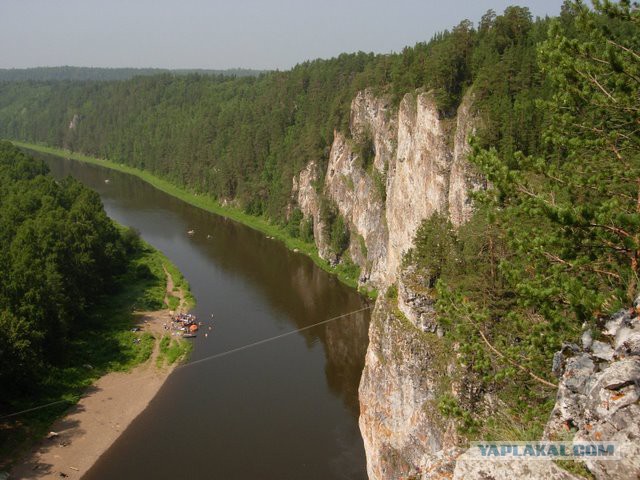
102	414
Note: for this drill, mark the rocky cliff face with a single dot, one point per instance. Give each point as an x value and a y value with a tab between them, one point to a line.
419	178
403	432
305	195
464	178
418	168
407	369
599	394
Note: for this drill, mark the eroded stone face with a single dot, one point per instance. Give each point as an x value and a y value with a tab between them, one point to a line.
415	300
419	181
468	468
424	170
464	177
419	168
420	160
360	202
598	396
403	432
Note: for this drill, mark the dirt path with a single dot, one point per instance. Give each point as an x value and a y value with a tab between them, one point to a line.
170	291
102	414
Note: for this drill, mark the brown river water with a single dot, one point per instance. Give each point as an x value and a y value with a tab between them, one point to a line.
286	409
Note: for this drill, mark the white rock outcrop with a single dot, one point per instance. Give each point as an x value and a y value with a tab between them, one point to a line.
404	434
419	168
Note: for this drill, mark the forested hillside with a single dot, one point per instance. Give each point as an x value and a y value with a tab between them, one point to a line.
243	139
58	253
82	74
60	257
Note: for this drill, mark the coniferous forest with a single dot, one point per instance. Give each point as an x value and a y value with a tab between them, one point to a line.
59	253
243	139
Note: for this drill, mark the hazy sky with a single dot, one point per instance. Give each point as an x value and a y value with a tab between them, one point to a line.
223	33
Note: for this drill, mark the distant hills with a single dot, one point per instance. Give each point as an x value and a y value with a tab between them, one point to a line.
44	74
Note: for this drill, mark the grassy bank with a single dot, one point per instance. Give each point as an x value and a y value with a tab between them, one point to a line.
347	275
106	344
179	284
172	350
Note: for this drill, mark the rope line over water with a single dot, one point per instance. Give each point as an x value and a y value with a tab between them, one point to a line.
214	356
270	339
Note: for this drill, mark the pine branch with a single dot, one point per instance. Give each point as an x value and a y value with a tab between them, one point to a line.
616	230
502	356
594	80
622	47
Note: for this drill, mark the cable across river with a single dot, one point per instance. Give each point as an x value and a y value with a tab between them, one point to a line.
216	355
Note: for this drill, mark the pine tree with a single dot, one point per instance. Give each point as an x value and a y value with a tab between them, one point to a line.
573	213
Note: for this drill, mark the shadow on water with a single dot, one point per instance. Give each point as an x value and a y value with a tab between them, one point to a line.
285	409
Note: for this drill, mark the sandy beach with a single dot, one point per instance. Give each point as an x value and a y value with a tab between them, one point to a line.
102	414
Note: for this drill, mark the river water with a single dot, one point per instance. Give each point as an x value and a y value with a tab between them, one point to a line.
286	409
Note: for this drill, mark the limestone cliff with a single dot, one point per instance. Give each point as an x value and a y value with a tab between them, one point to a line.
464	178
395	168
306	197
599	394
418	183
403	432
419	167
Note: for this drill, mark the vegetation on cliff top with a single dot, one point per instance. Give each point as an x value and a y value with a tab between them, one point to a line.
555	244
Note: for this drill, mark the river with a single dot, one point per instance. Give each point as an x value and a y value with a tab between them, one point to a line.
286	409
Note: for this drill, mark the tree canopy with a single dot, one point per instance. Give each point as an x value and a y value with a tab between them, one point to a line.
243	139
59	254
554	246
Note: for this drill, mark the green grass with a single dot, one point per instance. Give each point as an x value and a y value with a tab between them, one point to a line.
107	344
173	302
171	350
346	275
576	467
179	283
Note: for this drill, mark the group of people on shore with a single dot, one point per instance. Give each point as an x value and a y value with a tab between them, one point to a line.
182	324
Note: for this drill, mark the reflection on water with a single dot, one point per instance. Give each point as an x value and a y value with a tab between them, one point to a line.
286	409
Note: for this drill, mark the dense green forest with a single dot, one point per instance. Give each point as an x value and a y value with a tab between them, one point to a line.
58	253
70	277
82	74
243	139
60	256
